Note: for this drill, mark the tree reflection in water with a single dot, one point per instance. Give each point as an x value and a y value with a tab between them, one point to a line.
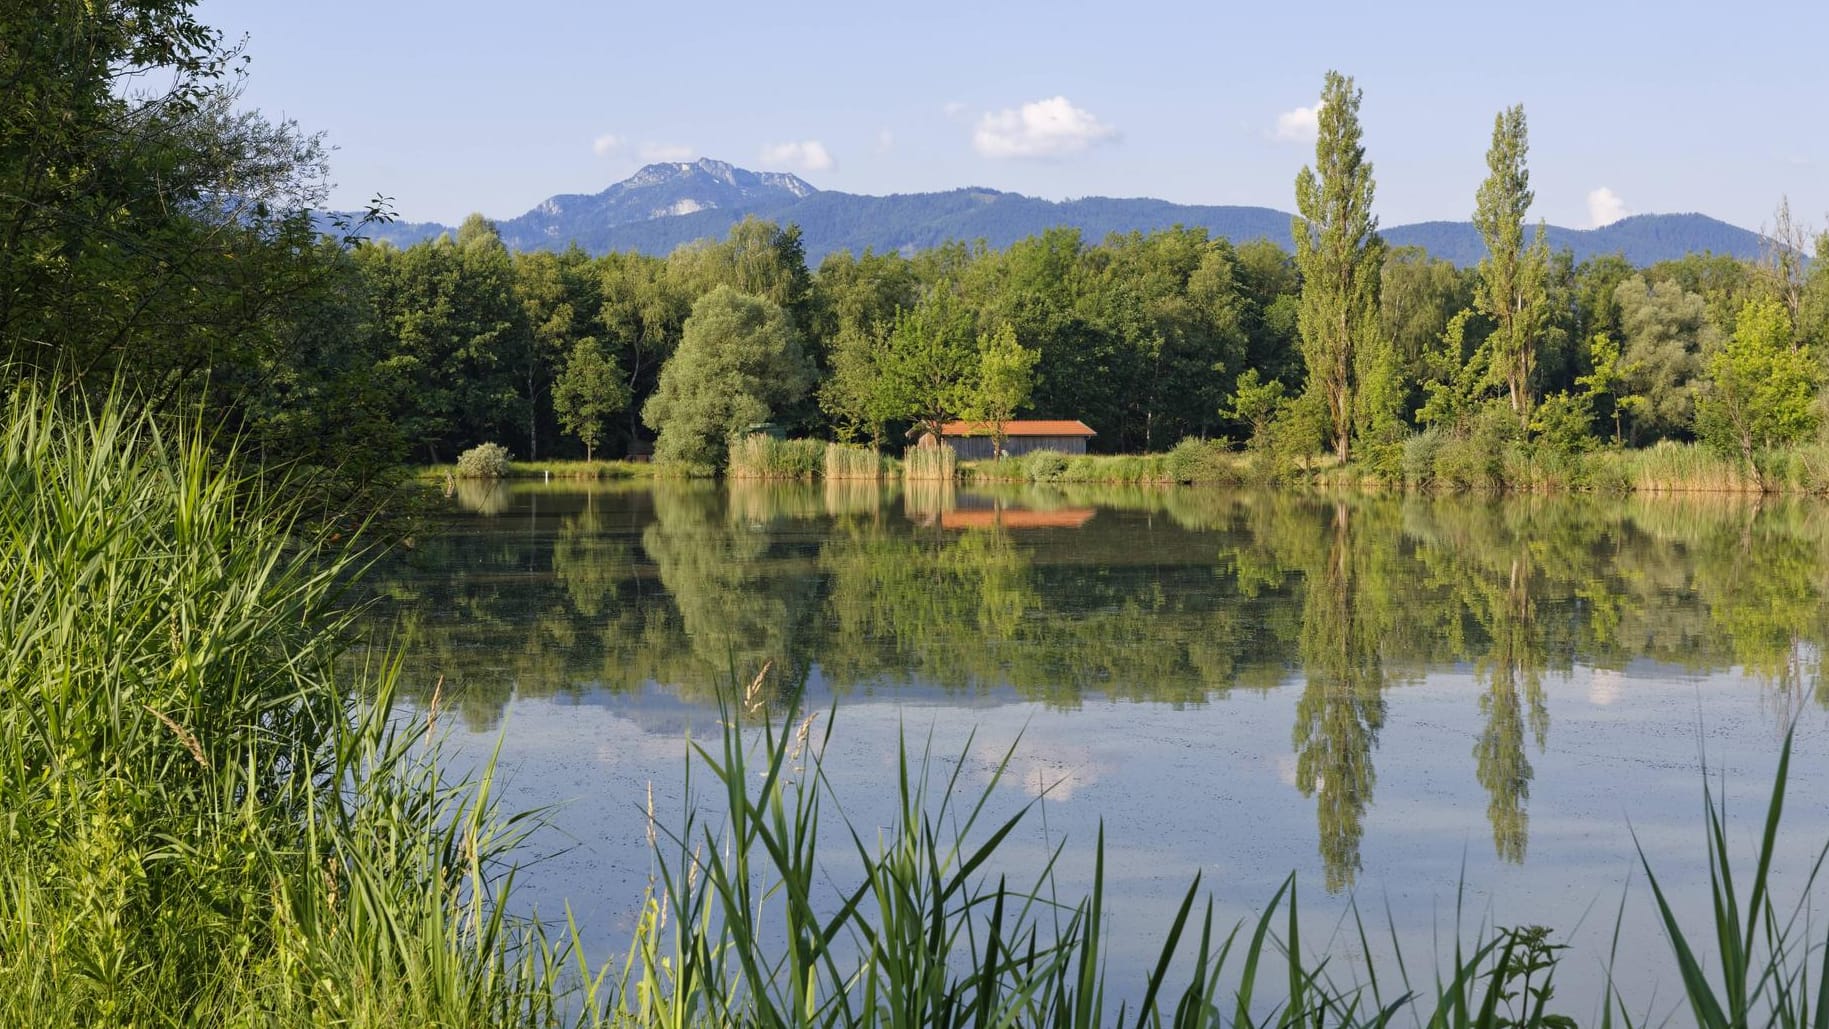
1174	596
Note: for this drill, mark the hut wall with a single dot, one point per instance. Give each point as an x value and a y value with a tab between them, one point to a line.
978	448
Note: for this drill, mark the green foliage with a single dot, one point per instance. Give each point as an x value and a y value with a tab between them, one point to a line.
1564	423
1006	375
1763	386
1666	331
1340	254
1257	403
1455	373
483	461
1201	461
1512	288
1417	295
739	362
1044	465
928	368
858	395
1477	459
1420	453
587	393
1301	427
1600	387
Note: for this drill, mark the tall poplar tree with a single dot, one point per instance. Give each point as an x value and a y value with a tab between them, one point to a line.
1340	255
1512	289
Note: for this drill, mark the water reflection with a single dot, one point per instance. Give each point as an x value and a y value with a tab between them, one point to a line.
1168	596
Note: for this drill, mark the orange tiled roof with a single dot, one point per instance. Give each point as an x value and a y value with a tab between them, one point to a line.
1019	428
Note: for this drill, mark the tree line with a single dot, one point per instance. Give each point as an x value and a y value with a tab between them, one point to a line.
1346	346
161	244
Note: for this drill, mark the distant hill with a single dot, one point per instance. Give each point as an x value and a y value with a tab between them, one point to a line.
663	206
1642	238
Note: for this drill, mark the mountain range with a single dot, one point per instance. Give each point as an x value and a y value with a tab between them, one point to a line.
663	206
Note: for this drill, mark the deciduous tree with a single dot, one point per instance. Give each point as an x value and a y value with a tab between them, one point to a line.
587	393
1512	290
1340	255
1006	375
1762	391
738	363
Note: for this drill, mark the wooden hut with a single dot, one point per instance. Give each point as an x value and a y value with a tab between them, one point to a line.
975	441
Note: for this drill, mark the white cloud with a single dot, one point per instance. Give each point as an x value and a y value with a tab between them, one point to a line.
954	109
1043	128
1301	125
664	151
807	155
1605	207
1604	686
604	146
885	141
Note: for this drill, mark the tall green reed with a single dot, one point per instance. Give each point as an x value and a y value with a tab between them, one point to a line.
201	821
747	923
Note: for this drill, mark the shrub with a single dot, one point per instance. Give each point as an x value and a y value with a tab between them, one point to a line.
1477	459
1045	465
1000	469
1200	460
484	461
1420	453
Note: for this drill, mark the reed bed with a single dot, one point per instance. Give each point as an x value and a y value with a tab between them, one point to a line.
930	464
848	462
759	456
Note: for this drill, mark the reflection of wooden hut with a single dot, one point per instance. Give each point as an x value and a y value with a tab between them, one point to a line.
974	441
1016	518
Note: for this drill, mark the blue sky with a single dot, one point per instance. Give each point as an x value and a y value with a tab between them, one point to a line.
460	105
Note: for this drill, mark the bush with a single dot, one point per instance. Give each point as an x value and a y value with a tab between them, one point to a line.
1477	459
999	469
1420	453
484	461
1045	465
1200	461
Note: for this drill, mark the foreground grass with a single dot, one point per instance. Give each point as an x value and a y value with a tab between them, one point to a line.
201	824
744	926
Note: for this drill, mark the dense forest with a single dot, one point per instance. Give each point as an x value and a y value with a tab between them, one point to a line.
163	245
1147	338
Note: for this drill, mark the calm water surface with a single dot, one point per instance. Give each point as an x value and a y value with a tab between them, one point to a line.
1397	699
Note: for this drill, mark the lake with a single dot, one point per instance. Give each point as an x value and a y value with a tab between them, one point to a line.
1412	703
